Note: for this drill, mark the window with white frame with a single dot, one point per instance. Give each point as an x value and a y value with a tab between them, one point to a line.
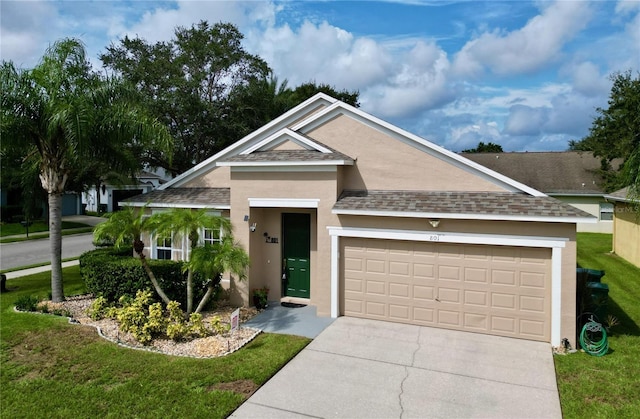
211	236
163	247
606	211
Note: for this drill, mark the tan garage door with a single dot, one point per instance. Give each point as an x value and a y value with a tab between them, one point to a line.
497	290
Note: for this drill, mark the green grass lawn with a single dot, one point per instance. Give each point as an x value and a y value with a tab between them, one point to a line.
12	229
56	370
608	386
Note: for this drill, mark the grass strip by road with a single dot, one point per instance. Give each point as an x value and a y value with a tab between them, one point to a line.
35	265
38	236
12	229
54	369
608	386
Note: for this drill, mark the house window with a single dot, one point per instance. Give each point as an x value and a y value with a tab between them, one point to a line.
163	247
606	211
211	236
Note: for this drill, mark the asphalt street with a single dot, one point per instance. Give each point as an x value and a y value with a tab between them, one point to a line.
31	252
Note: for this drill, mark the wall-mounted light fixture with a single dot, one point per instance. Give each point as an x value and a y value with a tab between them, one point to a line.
434	222
246	218
252	227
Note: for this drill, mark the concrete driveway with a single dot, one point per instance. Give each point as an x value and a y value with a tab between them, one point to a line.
370	369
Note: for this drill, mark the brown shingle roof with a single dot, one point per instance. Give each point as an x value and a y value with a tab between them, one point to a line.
205	197
568	172
479	203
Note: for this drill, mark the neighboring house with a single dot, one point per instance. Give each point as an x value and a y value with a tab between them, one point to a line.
71	204
626	226
111	195
570	176
357	217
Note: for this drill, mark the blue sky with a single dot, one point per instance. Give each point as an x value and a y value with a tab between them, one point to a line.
525	75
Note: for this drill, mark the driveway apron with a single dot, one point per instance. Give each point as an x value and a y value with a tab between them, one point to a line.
360	368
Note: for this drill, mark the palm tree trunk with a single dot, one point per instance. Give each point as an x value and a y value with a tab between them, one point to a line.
152	277
206	297
55	241
210	290
189	291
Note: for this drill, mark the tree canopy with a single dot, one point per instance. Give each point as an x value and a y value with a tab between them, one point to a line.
485	148
60	116
207	89
187	82
615	134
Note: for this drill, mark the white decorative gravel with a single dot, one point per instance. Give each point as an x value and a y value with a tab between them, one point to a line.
207	347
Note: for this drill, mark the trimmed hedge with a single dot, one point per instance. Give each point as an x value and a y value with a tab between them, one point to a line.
114	273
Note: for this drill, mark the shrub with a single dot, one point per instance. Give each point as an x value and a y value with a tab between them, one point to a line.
147	320
27	303
115	273
142	318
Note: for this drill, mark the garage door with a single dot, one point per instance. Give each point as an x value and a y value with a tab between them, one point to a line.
497	290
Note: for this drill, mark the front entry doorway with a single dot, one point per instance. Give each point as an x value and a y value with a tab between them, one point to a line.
296	250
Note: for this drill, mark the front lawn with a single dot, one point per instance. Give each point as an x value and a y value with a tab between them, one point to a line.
53	369
609	386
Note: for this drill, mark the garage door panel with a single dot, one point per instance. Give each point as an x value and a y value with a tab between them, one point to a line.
503	277
399	290
449	272
449	318
476	275
489	289
476	298
423	270
476	321
532	279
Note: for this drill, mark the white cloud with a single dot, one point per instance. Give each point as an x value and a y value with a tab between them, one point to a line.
587	79
22	38
527	49
418	82
525	120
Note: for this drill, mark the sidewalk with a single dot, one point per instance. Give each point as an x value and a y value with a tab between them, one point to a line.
38	269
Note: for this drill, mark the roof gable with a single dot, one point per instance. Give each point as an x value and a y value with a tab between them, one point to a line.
313	113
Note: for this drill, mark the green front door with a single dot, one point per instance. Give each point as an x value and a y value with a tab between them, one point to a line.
296	248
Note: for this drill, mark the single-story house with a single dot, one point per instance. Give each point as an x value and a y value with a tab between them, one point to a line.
570	176
346	212
626	226
109	195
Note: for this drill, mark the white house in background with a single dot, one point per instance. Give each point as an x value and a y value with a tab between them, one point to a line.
569	176
111	195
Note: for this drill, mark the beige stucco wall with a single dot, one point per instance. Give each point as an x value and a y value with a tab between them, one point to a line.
266	268
383	162
626	232
591	205
217	178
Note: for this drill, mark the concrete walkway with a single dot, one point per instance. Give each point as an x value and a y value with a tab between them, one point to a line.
301	321
360	368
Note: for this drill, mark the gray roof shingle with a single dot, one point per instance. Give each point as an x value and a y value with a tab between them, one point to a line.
289	156
480	203
209	197
567	172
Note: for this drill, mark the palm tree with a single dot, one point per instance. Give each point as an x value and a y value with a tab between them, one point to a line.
189	223
214	259
63	115
126	227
